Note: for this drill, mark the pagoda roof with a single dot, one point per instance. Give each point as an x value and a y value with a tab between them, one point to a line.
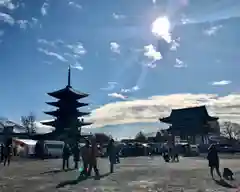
188	114
67	92
58	103
53	123
56	113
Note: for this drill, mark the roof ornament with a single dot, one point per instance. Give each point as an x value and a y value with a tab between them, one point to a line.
69	76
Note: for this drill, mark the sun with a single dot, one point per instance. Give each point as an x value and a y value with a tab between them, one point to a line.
161	27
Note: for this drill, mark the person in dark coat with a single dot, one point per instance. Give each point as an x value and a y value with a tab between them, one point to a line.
93	153
213	160
76	155
2	152
112	154
85	153
7	154
65	156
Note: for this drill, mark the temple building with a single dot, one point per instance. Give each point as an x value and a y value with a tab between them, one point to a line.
192	124
66	117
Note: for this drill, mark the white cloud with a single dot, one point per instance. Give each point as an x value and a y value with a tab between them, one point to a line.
8	4
71	3
22	23
179	64
40	128
77	66
152	108
151	53
117	95
211	31
133	89
154	1
115	47
44	8
77	48
53	54
7	18
223	82
111	86
46	42
118	16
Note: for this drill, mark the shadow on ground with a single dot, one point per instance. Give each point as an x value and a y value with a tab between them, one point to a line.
224	183
79	179
55	171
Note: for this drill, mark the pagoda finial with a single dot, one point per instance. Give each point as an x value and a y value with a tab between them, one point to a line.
69	76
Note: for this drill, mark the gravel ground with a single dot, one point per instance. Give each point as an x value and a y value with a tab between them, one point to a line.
133	174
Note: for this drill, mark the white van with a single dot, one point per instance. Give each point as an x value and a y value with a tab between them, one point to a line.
53	148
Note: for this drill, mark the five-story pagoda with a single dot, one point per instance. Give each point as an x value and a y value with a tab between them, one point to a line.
66	123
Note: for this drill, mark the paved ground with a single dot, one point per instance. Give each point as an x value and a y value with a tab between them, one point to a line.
133	174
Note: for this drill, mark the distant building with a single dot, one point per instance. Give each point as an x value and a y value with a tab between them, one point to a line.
9	128
192	123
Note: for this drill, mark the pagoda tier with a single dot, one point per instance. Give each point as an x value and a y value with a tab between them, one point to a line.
68	92
59	113
54	123
60	104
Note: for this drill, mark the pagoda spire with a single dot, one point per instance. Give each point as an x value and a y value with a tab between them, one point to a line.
69	76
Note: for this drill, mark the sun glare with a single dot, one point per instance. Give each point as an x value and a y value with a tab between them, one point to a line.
161	27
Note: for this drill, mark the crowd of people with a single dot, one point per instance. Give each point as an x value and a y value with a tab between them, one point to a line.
89	153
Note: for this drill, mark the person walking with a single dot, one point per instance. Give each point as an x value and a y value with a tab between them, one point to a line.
7	154
213	160
76	155
93	158
111	151
2	152
65	156
85	153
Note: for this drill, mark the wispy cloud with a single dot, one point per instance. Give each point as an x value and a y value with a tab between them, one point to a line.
152	55
53	54
211	31
77	48
46	42
117	95
73	4
133	89
8	4
44	8
221	83
118	16
152	108
179	64
7	18
111	86
77	66
115	47
22	23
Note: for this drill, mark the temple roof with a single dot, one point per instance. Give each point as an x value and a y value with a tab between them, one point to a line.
75	103
53	123
57	113
187	114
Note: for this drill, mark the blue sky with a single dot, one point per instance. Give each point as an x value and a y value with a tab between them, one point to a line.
114	57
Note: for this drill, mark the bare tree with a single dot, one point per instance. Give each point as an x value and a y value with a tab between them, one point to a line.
29	122
231	130
140	137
